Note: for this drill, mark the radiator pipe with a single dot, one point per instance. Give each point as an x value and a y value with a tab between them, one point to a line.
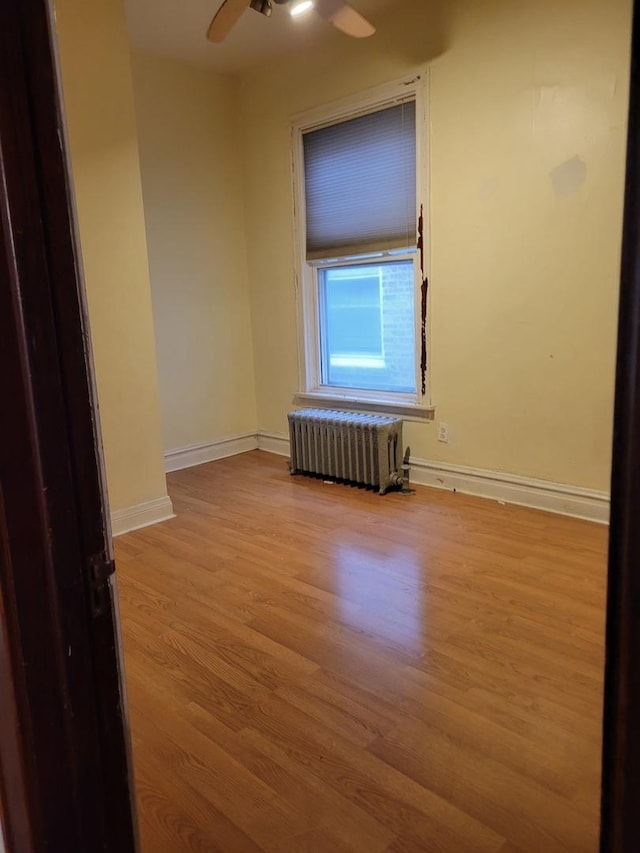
406	469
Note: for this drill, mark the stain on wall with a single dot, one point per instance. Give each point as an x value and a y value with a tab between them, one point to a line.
568	177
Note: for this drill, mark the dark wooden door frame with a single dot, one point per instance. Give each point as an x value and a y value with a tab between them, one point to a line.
63	770
64	780
620	828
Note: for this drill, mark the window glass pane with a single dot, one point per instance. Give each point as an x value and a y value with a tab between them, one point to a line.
353	312
367	326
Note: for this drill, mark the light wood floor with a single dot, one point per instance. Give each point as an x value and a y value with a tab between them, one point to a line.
317	668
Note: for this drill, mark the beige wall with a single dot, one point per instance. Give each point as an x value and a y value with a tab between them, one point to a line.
528	104
524	260
101	127
192	187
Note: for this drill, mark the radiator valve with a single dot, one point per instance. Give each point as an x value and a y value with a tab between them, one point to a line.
401	480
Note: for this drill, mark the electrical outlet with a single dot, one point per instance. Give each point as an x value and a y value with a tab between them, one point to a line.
443	433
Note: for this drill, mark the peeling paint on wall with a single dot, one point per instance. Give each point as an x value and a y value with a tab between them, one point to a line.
424	289
568	177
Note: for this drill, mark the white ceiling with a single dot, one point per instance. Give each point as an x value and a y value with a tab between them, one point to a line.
178	28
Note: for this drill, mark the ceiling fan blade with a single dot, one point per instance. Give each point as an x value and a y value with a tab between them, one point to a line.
345	18
225	19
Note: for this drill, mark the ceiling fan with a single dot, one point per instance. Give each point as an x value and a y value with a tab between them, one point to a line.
339	12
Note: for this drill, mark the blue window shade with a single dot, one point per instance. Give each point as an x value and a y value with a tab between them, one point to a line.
360	184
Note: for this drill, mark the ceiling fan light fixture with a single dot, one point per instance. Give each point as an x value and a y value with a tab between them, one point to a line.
340	13
301	8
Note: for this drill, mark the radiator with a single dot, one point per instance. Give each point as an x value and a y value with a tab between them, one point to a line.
347	447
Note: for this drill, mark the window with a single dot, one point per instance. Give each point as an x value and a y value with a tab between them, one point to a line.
357	177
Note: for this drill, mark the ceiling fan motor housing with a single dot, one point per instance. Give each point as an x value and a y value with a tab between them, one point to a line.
263	6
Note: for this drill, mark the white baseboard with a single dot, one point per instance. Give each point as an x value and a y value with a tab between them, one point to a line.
273	442
197	454
510	488
141	515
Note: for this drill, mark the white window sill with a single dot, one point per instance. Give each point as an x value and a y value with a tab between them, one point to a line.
323	400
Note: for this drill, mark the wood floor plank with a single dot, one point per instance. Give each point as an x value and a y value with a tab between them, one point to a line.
389	796
316	841
356	828
202	765
512	803
177	818
313	668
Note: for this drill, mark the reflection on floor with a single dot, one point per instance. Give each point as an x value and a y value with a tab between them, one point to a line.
317	668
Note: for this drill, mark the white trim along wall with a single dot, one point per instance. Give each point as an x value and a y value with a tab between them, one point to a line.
141	515
504	488
196	454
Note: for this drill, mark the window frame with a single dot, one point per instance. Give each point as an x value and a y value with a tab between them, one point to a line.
311	391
